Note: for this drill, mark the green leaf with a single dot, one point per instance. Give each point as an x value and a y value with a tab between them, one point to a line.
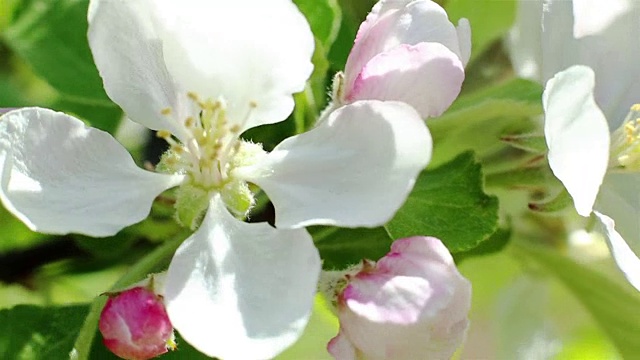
322	327
15	235
105	116
340	247
489	20
50	35
32	332
504	109
324	18
613	306
353	13
495	243
449	203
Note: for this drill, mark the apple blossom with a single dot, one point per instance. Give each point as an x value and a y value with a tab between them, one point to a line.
591	142
406	50
201	73
598	169
412	304
135	325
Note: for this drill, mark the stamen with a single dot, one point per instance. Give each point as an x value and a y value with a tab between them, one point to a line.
189	122
166	111
625	143
210	152
193	96
166	135
163	134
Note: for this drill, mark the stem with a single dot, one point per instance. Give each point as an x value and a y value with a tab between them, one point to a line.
299	112
311	108
82	347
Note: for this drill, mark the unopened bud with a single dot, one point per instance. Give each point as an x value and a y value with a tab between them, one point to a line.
412	304
135	325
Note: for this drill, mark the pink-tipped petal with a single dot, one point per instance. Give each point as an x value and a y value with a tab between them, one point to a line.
341	348
392	23
412	305
135	325
427	76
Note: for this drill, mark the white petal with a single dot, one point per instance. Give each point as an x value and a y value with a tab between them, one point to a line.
241	291
392	23
59	176
577	135
619	198
355	169
246	51
627	260
593	16
427	76
464	40
128	52
612	54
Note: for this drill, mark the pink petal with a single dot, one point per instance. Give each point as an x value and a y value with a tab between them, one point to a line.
135	324
427	76
412	305
392	23
341	348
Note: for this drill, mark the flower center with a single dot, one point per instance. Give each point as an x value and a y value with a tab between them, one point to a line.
625	143
208	156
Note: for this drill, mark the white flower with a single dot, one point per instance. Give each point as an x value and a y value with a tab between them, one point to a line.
201	73
412	304
600	171
407	50
588	127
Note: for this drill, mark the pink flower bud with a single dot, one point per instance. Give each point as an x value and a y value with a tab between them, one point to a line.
409	51
412	304
135	325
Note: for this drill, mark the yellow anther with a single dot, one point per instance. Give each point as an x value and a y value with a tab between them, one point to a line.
193	96
635	107
165	111
253	104
189	122
163	134
177	149
235	128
